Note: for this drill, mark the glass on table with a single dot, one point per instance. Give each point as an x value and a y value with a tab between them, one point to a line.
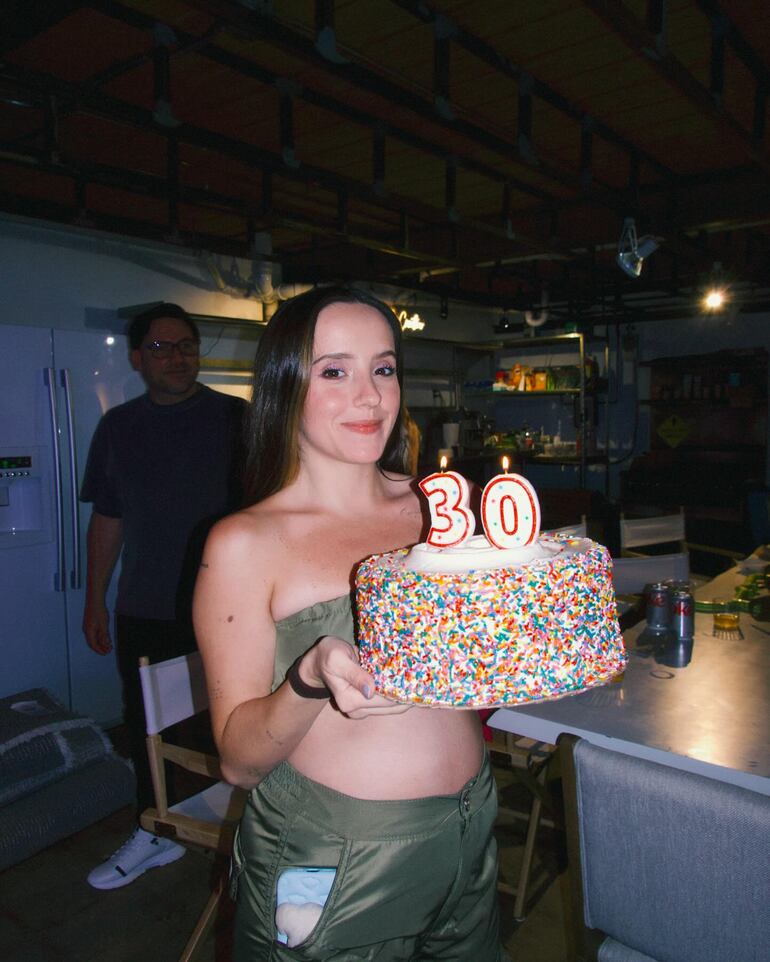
727	619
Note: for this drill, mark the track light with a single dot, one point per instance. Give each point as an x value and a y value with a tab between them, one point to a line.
632	251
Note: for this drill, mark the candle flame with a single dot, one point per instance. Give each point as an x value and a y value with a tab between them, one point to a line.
443	462
506	462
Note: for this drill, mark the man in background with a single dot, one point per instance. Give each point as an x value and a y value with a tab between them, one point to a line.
161	469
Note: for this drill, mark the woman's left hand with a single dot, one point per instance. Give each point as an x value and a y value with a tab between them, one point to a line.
376	705
333	661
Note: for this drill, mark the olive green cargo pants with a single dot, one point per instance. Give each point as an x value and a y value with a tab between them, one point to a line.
415	879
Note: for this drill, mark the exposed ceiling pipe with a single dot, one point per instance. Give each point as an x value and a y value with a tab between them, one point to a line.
259	283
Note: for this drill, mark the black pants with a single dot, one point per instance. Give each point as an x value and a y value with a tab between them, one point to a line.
158	640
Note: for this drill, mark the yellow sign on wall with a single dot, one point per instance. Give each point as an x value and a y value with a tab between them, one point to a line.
674	430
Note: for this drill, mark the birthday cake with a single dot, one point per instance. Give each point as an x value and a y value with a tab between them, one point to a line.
476	626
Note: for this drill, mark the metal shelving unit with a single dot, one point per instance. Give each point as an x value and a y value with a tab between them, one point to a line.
577	341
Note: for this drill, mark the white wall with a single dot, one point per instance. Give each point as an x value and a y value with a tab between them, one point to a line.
68	278
75	278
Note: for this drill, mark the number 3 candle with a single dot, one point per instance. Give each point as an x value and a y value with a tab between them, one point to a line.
510	510
451	521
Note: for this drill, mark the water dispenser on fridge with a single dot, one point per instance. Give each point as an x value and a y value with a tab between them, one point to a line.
24	511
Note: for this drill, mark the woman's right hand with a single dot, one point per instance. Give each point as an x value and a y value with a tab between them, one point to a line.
333	662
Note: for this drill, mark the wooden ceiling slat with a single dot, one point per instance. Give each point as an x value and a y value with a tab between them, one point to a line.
222	71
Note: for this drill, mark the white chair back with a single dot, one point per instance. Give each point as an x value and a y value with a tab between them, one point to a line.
630	575
173	690
638	532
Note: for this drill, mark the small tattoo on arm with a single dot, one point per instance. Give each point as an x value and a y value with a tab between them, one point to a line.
272	737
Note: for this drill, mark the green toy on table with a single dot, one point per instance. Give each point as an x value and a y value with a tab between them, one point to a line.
751	597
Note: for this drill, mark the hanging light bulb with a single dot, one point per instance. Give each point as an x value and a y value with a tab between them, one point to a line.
717	293
714	299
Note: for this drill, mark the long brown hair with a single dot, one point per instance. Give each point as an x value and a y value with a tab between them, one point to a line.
281	372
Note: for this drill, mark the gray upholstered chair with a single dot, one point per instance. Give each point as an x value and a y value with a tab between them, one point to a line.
630	575
665	865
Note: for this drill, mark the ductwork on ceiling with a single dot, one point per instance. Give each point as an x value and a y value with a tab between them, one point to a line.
259	283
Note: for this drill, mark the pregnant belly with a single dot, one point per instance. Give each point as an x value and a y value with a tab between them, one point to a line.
421	752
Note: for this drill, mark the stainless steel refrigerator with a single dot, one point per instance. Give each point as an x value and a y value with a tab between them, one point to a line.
55	386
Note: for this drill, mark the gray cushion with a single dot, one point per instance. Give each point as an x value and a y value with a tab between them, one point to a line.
61	808
41	742
612	951
675	865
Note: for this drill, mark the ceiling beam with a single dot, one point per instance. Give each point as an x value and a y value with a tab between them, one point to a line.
22	20
488	55
206	47
116	111
637	37
86	100
267	27
743	50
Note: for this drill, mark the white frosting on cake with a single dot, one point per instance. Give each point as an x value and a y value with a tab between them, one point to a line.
477	554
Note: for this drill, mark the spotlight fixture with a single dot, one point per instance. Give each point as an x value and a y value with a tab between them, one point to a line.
632	250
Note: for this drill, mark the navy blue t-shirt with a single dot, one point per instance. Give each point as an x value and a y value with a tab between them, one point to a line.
169	471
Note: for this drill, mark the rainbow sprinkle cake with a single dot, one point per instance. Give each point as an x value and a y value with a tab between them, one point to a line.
541	627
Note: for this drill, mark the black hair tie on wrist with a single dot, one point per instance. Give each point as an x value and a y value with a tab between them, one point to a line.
303	690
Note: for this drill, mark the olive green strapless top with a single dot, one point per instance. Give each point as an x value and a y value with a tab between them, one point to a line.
300	631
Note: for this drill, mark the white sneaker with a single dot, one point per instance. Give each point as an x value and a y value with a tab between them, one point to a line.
142	851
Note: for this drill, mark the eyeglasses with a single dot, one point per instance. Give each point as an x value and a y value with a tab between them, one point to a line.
164	349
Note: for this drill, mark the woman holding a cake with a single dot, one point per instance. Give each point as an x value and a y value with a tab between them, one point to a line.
367	833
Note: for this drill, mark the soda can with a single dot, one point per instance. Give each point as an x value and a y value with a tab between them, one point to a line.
658	607
683	617
675	653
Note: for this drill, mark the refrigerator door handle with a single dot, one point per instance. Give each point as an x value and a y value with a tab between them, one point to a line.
49	376
76	573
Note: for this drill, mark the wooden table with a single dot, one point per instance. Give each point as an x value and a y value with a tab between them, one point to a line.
711	717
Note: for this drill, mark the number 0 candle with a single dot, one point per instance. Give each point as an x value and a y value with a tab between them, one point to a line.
451	521
510	510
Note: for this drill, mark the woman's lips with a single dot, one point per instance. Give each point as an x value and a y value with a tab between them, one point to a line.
363	427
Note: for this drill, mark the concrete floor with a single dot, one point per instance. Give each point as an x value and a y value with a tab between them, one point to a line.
48	913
